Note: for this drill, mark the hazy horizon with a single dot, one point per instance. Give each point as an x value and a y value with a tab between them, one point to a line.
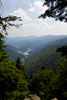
33	36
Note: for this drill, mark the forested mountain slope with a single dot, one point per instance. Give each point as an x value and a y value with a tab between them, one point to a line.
45	57
13	52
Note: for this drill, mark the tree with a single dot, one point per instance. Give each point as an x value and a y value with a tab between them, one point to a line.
56	9
51	83
19	64
13	85
44	84
3	53
63	51
5	22
62	80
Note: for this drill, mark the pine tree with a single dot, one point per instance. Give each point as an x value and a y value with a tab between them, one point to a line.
13	85
3	53
19	63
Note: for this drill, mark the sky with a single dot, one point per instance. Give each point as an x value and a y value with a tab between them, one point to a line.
29	10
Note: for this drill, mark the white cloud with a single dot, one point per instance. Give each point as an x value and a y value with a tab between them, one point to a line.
40	28
21	13
37	27
59	28
32	9
30	4
32	26
37	7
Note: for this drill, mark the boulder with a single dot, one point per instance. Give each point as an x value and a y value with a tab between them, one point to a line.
32	97
54	99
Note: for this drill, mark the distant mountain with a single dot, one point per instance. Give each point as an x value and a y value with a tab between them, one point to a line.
19	42
35	44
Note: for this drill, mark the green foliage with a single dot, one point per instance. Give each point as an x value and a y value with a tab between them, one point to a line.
65	94
20	66
51	83
13	52
62	50
62	81
43	84
49	58
11	79
19	63
13	84
3	52
47	83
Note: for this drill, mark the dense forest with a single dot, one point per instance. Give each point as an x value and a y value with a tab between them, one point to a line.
45	74
46	83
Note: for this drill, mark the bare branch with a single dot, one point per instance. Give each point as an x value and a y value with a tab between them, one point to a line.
5	22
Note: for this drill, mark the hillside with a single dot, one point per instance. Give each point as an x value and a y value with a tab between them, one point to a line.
13	52
23	43
45	57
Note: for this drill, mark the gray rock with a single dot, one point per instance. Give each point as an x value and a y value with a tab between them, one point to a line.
32	97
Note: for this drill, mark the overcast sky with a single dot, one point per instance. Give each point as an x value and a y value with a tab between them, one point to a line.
29	10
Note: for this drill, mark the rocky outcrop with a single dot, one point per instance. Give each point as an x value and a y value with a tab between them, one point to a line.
35	97
32	97
54	99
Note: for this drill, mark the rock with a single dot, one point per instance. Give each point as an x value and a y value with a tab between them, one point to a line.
54	99
32	97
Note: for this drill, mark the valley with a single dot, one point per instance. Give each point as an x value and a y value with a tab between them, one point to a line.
36	51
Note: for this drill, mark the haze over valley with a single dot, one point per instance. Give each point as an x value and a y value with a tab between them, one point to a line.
28	46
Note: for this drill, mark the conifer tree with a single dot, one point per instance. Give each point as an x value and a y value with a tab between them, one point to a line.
13	85
3	53
19	63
